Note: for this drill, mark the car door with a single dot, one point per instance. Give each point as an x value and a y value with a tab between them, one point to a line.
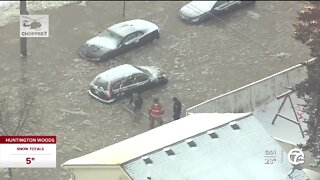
141	80
232	5
128	85
220	6
130	40
116	87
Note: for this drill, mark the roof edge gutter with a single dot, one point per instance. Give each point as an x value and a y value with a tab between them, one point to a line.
87	165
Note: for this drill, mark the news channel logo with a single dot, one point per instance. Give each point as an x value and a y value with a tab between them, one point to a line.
296	156
34	25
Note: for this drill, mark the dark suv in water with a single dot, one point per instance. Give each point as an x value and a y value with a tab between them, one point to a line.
124	80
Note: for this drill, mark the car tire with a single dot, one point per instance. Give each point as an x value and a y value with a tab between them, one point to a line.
162	81
157	36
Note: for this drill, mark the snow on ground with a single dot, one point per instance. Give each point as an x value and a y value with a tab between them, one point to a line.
283	129
312	174
9	10
202	62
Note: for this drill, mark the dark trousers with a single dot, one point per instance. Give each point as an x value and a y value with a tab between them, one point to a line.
176	116
136	107
154	119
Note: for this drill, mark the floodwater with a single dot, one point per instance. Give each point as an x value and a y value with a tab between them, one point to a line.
202	61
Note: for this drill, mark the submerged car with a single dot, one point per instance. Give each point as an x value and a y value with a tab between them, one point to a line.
199	11
119	38
124	80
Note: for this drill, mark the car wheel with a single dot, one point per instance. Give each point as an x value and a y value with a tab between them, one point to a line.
161	81
158	35
154	41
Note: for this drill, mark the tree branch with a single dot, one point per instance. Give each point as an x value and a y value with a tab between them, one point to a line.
27	104
3	118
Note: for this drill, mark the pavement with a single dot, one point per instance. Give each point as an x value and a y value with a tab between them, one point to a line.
201	62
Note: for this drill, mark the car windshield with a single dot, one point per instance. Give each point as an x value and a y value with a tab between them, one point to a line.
143	70
110	34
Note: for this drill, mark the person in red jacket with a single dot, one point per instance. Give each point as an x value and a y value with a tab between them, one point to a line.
155	113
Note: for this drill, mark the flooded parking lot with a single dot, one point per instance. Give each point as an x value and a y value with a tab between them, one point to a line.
201	61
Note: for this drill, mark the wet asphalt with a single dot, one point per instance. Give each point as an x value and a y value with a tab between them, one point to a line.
201	61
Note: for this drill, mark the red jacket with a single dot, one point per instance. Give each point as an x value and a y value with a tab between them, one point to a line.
156	110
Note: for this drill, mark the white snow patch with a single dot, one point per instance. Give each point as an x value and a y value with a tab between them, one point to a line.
2	3
282	128
103	42
10	10
254	15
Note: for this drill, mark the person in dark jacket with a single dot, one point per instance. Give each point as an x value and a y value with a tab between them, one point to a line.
136	100
176	108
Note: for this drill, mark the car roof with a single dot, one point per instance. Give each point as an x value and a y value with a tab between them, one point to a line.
200	7
119	72
128	27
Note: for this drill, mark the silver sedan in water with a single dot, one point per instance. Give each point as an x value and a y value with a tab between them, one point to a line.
199	11
118	39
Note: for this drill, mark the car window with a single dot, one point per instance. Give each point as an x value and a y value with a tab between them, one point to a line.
100	82
141	77
128	81
110	34
116	85
220	3
131	36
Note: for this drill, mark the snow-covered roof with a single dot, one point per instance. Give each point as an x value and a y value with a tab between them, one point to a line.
119	72
196	8
231	154
227	146
127	27
155	139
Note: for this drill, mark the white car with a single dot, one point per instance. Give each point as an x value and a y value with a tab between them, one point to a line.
118	39
199	11
124	80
